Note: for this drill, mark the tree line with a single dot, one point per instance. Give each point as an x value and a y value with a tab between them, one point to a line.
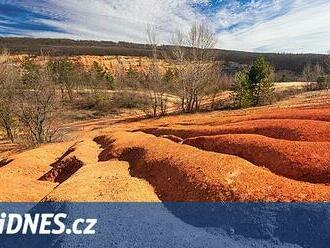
294	63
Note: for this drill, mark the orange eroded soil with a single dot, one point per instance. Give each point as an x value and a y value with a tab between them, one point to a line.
289	129
103	182
298	160
19	178
276	153
184	173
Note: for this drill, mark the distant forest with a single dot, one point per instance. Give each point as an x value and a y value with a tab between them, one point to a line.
65	47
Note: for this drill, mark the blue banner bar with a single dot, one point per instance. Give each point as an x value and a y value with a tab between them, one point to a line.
165	225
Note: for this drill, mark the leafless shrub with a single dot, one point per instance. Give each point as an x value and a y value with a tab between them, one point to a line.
195	66
38	107
130	100
154	83
218	84
9	78
318	74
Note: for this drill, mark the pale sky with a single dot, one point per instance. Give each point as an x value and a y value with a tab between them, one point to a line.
296	26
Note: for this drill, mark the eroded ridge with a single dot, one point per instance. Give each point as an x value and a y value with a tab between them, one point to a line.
19	178
83	178
305	161
103	182
64	167
184	173
295	130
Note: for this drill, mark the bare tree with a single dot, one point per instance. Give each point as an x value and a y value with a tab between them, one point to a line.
201	40
38	107
327	70
9	77
316	73
219	82
309	76
308	73
318	70
195	57
152	40
156	87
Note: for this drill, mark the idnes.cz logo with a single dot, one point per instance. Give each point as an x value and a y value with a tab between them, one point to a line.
45	224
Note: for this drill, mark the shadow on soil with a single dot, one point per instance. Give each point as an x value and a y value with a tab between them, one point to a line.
5	162
303	224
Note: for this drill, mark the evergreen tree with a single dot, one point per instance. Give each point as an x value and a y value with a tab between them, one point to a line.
100	76
256	86
63	73
242	96
30	71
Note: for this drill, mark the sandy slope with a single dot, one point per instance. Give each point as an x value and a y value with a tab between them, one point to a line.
19	178
103	182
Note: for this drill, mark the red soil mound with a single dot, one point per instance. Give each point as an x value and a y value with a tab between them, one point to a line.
184	173
227	117
83	178
299	130
318	114
305	161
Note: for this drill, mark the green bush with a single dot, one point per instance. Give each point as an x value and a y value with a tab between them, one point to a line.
242	96
321	82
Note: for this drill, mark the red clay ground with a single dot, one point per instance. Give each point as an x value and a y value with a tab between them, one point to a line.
277	153
184	173
288	129
304	161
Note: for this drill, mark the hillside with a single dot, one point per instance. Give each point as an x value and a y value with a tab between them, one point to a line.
219	156
59	47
